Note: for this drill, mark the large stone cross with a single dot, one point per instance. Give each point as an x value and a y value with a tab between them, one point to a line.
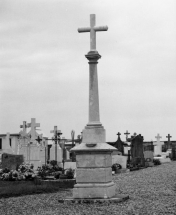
33	125
169	136
158	137
92	29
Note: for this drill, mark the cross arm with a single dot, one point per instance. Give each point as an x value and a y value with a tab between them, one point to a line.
101	28
82	30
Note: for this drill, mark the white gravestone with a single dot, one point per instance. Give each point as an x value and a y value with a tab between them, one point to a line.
158	145
56	152
29	147
59	153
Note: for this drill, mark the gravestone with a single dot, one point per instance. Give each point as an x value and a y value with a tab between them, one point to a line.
93	155
174	152
148	153
29	147
11	161
158	146
118	144
168	144
137	152
56	153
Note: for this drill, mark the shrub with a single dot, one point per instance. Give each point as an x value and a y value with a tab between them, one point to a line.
50	169
156	162
53	162
24	172
116	166
70	173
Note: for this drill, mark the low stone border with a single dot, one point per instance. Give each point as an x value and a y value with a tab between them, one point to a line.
115	199
122	171
61	183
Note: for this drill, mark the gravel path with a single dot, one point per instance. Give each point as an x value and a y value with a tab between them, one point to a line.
152	191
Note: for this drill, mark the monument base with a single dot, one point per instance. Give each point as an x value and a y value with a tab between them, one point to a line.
115	199
94	190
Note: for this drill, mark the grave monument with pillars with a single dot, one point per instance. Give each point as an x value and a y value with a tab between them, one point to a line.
93	155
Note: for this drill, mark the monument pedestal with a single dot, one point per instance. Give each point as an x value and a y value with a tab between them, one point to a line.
93	162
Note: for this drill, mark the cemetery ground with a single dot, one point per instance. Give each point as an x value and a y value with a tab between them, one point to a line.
151	190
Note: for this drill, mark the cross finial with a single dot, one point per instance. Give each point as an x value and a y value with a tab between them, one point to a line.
158	137
92	29
118	134
127	133
169	136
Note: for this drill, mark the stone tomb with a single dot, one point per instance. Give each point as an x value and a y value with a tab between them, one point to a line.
33	151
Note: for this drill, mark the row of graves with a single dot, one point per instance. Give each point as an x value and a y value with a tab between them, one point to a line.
134	152
36	148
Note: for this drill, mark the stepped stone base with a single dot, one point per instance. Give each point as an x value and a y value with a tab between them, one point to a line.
115	199
95	190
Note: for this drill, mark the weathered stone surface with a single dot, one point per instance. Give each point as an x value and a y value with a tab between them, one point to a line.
92	160
94	135
94	175
94	190
11	161
99	147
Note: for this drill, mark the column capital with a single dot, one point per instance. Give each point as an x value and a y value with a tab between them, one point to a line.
93	57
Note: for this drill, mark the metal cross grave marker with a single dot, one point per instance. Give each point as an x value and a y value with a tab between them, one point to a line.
127	133
169	136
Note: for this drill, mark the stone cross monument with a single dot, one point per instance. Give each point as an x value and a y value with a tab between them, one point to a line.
93	155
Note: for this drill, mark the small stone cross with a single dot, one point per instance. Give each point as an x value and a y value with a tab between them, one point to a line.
158	137
92	29
168	137
127	133
24	126
33	125
55	131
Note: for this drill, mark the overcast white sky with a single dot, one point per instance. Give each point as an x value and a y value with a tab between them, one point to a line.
44	73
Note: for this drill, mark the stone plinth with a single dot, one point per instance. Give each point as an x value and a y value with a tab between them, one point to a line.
93	173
